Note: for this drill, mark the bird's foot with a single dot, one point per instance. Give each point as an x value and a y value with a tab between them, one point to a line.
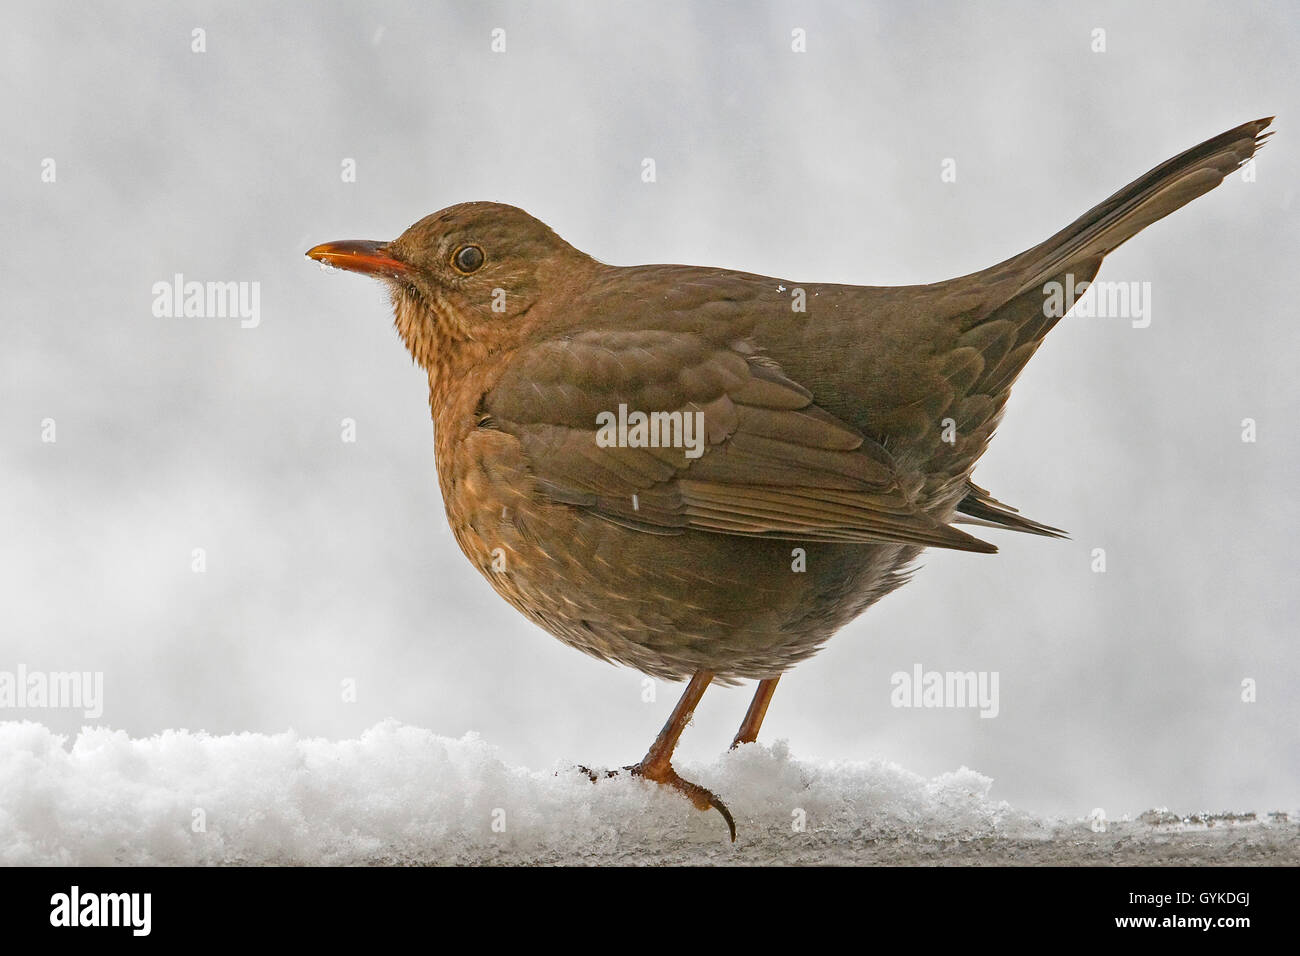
663	773
703	798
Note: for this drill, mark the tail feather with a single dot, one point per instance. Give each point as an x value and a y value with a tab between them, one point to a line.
979	507
1169	186
1014	322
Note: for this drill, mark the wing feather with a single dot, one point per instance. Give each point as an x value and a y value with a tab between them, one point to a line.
766	461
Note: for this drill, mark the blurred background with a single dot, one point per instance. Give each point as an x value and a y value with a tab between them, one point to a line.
330	561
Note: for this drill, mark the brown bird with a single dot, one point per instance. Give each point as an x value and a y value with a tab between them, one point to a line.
704	473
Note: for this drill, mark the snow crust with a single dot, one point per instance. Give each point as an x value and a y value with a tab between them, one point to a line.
403	795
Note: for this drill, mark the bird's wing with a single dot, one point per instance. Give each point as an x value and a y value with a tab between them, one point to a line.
749	451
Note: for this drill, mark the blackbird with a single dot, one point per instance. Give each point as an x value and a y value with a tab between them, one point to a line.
705	473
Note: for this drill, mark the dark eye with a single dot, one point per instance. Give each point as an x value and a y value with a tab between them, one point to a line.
468	259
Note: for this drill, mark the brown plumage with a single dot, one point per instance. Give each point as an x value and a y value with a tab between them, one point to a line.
845	433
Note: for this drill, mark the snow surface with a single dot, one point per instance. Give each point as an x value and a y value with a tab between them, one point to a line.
403	795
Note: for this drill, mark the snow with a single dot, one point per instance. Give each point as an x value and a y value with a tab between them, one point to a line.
400	794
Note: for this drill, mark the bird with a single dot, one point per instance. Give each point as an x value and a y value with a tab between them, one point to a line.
704	474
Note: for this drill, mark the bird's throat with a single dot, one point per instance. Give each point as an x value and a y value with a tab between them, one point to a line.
428	332
436	340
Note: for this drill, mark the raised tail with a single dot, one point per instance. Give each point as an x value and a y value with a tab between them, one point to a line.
1009	325
1169	186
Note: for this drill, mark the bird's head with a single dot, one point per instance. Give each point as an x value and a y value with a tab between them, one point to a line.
478	272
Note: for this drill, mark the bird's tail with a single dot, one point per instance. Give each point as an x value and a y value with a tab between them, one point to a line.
1080	246
1014	316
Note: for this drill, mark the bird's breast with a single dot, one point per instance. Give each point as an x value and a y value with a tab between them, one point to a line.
666	604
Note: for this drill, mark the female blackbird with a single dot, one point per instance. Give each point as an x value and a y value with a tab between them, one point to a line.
706	473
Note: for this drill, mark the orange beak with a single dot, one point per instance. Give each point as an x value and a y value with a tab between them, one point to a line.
361	255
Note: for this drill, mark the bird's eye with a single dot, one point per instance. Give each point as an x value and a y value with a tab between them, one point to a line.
468	259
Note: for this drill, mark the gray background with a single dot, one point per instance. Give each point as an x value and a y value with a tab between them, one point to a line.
329	561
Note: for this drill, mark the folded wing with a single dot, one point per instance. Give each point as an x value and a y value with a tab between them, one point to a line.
729	444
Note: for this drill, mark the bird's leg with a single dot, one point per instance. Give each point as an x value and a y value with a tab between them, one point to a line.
748	731
656	765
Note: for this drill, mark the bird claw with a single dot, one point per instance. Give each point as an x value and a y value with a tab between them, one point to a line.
701	797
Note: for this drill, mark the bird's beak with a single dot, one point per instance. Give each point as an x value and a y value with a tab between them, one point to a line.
361	255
